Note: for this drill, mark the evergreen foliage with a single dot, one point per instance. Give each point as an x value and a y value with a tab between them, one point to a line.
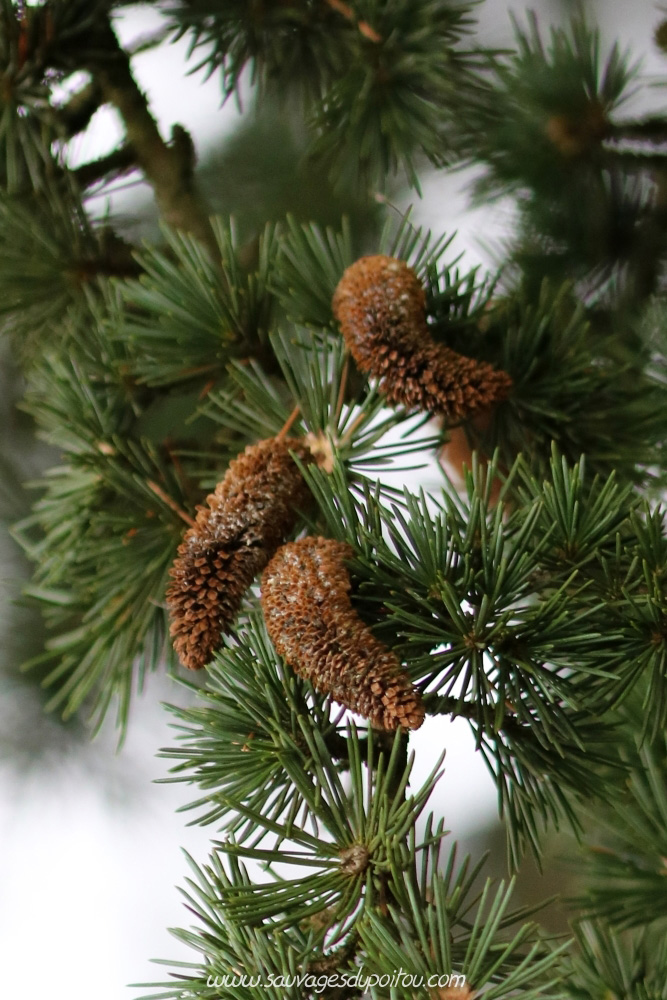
371	69
525	594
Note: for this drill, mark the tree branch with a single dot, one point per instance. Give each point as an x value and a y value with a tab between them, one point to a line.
75	116
115	259
169	168
337	745
652	129
119	161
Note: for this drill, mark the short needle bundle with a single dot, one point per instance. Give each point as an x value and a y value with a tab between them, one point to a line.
313	625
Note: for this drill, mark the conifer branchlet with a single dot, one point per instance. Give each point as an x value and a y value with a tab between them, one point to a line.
381	307
247	517
309	617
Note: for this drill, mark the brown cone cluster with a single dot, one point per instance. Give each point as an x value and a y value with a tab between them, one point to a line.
381	307
312	624
235	535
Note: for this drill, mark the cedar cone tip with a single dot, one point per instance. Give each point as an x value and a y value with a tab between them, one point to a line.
313	625
381	307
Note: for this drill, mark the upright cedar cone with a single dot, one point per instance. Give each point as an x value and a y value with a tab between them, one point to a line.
312	624
381	307
247	518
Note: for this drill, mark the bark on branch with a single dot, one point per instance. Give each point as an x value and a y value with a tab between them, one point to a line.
169	167
75	116
119	161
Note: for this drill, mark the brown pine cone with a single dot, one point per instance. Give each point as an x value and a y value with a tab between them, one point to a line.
313	625
247	518
381	307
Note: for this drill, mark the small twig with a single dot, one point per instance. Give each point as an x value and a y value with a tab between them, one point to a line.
636	159
115	258
339	746
107	187
349	15
75	116
196	370
170	502
282	434
149	40
178	468
207	388
118	162
342	388
652	129
347	436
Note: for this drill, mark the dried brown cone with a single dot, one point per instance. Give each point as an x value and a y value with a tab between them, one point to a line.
313	625
381	307
234	536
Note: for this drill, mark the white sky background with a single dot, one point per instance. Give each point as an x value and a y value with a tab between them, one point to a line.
87	880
